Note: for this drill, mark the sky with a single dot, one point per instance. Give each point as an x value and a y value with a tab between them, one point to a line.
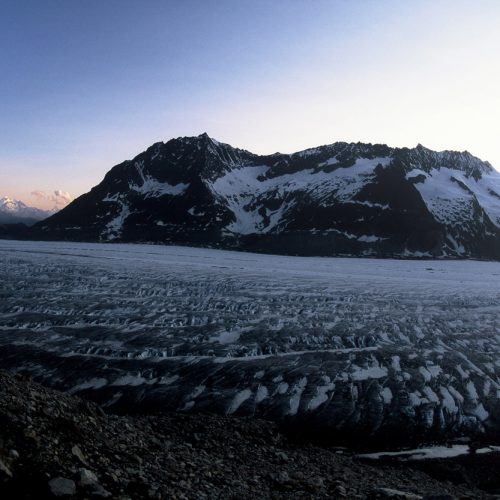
86	84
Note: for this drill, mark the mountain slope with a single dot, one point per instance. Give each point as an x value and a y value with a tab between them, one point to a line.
339	199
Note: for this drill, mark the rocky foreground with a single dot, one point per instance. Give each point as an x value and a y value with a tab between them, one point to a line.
55	445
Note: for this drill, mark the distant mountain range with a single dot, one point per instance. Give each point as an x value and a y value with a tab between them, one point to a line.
339	199
16	212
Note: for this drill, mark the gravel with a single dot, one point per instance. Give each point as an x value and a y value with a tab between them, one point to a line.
53	445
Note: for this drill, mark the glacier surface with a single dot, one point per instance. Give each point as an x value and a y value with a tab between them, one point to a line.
397	350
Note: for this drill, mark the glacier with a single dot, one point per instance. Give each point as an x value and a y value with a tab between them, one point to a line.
392	351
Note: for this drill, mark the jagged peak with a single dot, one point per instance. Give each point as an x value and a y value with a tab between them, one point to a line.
7	202
419	156
461	160
202	138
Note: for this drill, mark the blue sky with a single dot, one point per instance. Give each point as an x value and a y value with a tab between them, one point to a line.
86	84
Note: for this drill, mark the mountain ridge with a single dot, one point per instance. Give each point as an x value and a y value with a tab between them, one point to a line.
338	199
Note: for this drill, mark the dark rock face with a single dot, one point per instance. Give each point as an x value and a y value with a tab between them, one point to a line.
13	231
340	199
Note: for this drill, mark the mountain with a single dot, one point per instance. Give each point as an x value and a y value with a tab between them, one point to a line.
338	199
17	212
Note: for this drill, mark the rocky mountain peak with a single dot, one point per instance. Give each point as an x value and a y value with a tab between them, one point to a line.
10	204
336	199
463	161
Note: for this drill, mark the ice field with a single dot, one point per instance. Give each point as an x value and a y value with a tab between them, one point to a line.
389	349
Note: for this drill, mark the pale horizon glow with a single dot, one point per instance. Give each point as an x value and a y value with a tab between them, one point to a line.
86	86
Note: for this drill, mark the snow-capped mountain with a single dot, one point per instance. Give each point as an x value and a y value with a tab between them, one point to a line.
15	212
338	199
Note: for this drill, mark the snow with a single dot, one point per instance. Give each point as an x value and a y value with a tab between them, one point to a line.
471	389
429	453
458	397
17	208
238	400
426	374
133	380
114	197
329	162
282	388
396	363
321	394
195	212
226	337
458	247
371	238
197	391
445	199
296	392
262	393
481	412
369	373
93	383
416	398
448	401
449	202
152	188
415	173
431	395
386	395
309	152
115	226
240	186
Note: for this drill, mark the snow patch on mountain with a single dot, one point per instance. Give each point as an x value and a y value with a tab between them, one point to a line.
151	188
449	194
446	198
239	188
370	238
487	191
114	227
